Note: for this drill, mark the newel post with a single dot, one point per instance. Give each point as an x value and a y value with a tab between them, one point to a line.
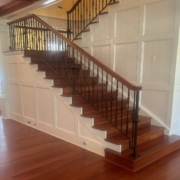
135	124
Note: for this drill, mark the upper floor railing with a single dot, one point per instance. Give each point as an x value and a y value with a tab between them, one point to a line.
83	13
112	96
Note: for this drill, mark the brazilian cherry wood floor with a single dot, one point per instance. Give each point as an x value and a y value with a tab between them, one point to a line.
26	153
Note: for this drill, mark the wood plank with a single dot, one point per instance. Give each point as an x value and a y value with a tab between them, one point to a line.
27	153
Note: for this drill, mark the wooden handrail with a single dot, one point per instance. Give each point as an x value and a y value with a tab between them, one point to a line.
87	55
74	6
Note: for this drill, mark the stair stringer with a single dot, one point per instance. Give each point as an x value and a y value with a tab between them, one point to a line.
81	131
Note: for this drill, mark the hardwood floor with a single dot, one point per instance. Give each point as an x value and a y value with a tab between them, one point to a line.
26	153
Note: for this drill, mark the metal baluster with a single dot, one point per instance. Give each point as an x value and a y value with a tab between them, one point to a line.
96	9
111	97
89	10
122	94
81	75
89	80
127	114
97	88
116	117
103	92
83	15
106	91
73	73
78	16
93	83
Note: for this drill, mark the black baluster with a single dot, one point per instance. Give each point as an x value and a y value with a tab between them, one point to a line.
106	92
103	91
122	94
111	97
116	117
97	101
127	120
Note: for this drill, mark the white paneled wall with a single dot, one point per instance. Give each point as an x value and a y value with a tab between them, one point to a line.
33	101
4	45
138	39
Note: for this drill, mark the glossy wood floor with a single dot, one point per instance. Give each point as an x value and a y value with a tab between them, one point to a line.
26	153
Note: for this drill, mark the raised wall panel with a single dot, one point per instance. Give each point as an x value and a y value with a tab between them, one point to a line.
45	107
13	71
126	60
159	17
29	104
157	61
15	93
104	33
85	132
26	74
127	23
156	102
103	54
65	119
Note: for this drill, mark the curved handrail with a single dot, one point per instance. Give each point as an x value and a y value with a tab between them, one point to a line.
74	6
87	55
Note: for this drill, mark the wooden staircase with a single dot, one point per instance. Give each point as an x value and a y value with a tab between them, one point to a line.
152	143
95	20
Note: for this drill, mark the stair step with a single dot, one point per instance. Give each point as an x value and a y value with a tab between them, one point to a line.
94	22
35	53
102	13
86	30
112	131
100	104
143	135
78	38
115	2
149	152
85	89
104	126
84	81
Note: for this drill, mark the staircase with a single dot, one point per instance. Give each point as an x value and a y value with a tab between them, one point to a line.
109	99
152	144
83	14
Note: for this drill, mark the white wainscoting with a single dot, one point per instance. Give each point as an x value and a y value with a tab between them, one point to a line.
33	101
138	40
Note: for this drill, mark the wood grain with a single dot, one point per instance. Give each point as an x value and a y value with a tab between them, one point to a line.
26	153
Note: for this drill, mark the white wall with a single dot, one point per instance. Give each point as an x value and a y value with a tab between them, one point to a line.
175	122
4	46
34	102
55	22
138	39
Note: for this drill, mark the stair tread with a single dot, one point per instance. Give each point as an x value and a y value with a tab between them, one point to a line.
94	22
148	148
102	13
120	138
114	2
107	125
86	30
113	131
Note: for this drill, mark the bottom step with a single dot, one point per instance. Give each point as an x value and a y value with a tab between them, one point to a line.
149	152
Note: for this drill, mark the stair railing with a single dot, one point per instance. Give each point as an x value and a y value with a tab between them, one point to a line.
112	96
82	14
